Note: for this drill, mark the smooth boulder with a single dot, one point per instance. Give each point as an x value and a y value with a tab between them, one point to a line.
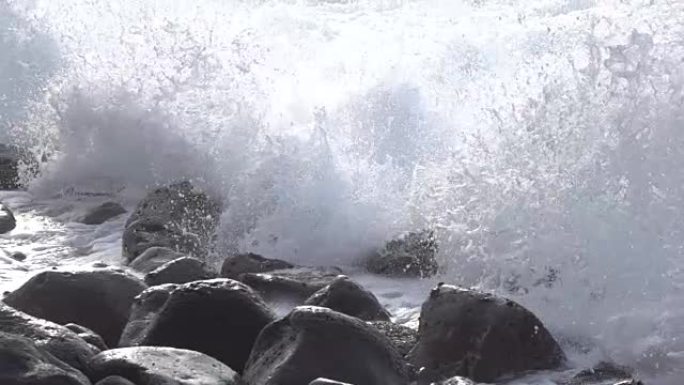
114	380
179	216
181	270
218	317
148	365
53	338
7	220
24	363
348	297
98	299
480	336
236	265
102	213
153	258
413	255
402	337
314	342
292	286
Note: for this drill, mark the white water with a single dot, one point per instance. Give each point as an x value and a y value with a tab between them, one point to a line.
535	136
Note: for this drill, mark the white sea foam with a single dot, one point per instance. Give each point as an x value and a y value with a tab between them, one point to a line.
541	139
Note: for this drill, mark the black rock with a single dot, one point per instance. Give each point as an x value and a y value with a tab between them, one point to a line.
114	380
413	255
18	256
604	374
153	258
239	264
7	220
150	232
161	366
314	342
348	297
219	317
480	336
179	217
292	286
24	363
102	213
181	270
98	299
57	340
403	338
88	336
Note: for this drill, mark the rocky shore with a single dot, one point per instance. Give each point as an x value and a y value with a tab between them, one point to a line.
170	317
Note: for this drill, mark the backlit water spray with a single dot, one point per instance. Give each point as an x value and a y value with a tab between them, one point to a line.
542	140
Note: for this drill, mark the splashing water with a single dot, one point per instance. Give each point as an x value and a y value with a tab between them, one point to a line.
543	140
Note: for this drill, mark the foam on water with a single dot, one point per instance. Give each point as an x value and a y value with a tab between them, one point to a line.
541	139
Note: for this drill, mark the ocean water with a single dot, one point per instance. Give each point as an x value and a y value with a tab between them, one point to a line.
542	140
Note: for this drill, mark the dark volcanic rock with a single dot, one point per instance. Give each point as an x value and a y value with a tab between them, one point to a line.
18	256
290	285
23	363
313	342
218	317
181	270
239	264
153	258
403	338
348	297
55	339
480	336
114	380
179	217
98	299
7	220
162	366
604	374
413	255
88	336
102	213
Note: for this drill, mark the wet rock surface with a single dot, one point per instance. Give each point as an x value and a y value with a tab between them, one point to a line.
24	363
98	299
348	297
325	381
402	337
59	341
7	220
314	342
219	317
413	255
179	216
102	213
182	270
114	380
161	366
153	258
480	336
290	285
236	265
604	374
88	336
